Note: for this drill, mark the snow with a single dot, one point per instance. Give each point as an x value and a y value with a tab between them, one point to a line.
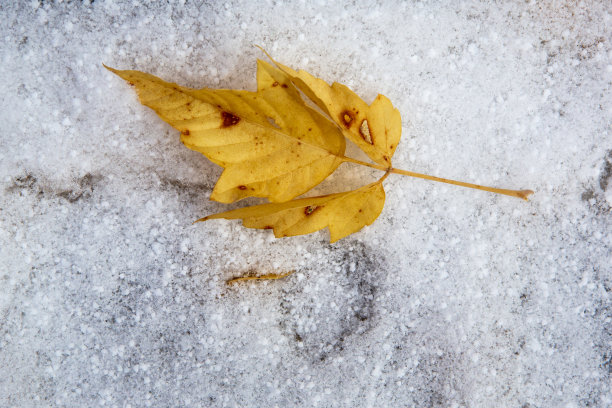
453	297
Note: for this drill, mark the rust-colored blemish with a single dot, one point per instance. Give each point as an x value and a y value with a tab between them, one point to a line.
185	132
284	86
268	227
229	119
364	131
275	84
242	187
347	118
310	209
130	83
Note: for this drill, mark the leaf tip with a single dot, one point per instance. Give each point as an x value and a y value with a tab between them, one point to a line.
201	220
265	52
113	70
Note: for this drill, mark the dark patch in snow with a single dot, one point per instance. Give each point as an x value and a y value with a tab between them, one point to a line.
322	330
606	172
83	191
587	195
596	197
186	188
607	361
84	187
27	181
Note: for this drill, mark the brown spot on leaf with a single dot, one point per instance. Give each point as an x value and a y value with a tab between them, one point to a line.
242	188
185	132
275	84
310	209
268	227
347	118
229	119
284	86
364	131
130	83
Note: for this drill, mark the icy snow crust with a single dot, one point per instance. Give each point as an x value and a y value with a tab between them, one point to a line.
454	297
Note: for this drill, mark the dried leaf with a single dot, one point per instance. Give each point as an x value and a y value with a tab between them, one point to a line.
344	213
273	145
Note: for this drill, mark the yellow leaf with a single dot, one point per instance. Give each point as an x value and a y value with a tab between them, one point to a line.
376	128
269	142
344	213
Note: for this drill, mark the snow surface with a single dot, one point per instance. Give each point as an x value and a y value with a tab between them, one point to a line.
453	297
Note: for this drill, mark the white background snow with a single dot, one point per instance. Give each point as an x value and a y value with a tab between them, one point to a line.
453	297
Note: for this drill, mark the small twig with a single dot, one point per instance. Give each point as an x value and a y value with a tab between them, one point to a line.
268	276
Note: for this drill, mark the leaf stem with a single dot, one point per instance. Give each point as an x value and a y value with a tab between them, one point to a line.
384	176
524	194
512	193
